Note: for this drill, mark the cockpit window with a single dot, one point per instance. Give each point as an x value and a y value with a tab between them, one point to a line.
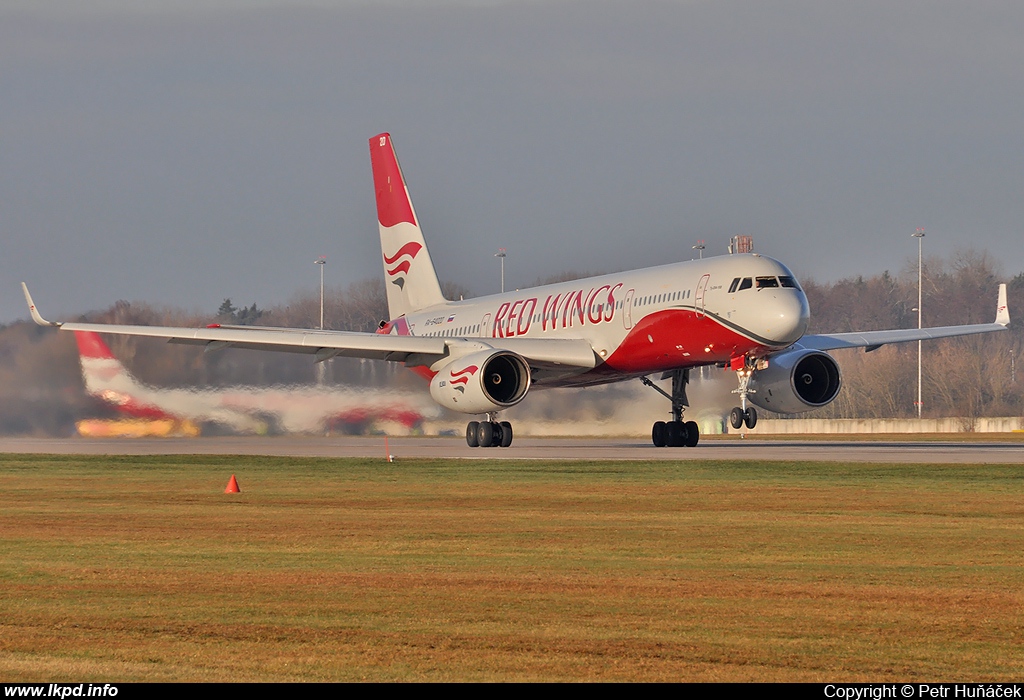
735	283
766	282
788	281
747	283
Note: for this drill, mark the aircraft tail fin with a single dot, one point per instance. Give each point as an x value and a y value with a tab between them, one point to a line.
408	271
92	347
104	375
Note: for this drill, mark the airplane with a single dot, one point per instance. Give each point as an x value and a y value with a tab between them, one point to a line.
243	409
744	312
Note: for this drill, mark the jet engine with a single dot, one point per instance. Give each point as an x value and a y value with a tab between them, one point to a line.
796	381
484	381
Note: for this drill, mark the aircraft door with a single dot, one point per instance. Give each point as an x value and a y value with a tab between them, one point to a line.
698	299
627	309
485	327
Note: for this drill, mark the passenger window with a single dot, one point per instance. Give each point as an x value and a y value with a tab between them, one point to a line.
767	282
747	283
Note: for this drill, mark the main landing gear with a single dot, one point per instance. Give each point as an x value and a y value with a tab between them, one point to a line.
676	432
489	433
744	415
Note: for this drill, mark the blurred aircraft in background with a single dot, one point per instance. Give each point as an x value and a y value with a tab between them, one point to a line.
154	411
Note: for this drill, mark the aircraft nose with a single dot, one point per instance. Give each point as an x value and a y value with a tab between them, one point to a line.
789	317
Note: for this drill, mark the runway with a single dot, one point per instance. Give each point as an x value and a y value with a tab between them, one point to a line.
945	452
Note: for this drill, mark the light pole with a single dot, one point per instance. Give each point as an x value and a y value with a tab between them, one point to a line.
501	254
919	235
321	261
700	249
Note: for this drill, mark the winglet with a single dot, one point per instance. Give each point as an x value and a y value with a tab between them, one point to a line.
1002	311
32	309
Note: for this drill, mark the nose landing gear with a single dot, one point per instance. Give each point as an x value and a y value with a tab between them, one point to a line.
676	432
745	415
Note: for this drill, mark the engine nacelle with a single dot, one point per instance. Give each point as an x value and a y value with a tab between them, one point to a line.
484	381
796	381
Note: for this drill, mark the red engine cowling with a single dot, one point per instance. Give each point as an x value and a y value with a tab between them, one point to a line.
796	381
484	381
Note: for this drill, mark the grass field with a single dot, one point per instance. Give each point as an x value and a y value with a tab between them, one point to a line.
140	568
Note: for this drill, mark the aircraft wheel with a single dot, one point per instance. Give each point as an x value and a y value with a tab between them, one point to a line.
506	433
692	433
750	418
472	430
658	434
485	433
736	417
675	434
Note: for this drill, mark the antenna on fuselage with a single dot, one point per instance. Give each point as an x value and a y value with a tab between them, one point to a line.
741	244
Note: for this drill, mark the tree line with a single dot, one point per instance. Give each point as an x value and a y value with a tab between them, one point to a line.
966	377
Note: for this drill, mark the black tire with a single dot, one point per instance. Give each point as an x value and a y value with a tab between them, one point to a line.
658	434
675	434
506	433
736	418
692	433
472	430
750	418
485	434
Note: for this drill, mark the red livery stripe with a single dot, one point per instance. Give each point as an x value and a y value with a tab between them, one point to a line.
393	205
90	345
411	249
403	267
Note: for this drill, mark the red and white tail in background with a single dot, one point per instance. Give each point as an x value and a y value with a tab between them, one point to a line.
408	271
100	369
107	379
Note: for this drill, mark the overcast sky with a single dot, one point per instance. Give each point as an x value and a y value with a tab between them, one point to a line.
183	152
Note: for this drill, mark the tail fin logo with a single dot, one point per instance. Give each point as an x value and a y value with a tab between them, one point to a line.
404	257
461	378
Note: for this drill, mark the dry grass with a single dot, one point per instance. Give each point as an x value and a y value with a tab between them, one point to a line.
139	568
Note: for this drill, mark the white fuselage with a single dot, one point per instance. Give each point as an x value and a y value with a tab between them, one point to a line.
672	316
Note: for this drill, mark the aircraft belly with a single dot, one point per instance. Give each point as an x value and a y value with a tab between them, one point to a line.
676	338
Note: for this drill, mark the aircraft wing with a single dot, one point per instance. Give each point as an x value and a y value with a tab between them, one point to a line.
554	354
872	340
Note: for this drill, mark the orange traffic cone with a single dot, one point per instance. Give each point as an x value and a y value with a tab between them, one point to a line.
232	486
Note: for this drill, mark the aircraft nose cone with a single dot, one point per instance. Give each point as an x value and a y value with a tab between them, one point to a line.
789	317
